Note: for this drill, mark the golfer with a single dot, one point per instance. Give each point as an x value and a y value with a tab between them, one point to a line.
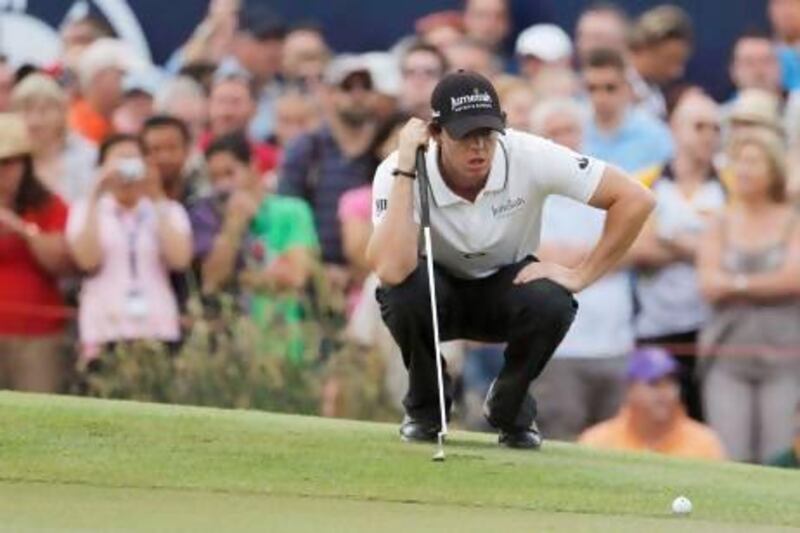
488	185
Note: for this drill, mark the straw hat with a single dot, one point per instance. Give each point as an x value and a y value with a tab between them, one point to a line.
14	139
759	107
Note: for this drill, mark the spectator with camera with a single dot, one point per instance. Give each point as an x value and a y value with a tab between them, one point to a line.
126	237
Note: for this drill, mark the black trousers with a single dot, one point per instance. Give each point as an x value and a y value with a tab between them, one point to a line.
532	319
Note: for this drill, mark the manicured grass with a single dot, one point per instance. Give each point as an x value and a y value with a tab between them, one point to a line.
70	463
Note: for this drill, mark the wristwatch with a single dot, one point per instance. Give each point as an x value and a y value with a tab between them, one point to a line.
408	174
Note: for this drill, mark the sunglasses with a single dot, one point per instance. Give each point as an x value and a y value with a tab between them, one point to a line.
357	81
609	88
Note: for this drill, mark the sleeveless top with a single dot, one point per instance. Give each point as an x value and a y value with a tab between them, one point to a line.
761	328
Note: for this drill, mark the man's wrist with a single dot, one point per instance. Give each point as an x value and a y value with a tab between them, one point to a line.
407	164
581	278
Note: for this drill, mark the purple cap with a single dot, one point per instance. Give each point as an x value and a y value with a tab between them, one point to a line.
651	363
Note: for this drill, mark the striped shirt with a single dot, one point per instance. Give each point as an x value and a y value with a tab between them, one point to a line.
316	170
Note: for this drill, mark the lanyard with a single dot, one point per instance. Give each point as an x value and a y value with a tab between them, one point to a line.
133	237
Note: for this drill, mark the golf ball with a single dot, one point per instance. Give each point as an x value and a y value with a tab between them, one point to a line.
681	505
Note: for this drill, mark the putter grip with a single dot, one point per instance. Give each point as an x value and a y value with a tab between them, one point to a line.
422	181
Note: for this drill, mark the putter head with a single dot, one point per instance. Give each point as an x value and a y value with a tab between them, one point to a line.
439	455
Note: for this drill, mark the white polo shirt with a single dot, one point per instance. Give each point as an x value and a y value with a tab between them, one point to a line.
502	226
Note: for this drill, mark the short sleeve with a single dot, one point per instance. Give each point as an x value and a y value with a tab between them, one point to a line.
302	232
179	218
564	172
355	204
206	224
382	187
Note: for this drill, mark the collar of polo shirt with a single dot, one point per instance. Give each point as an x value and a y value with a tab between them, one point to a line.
443	196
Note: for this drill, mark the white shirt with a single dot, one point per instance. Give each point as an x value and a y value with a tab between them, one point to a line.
502	226
603	326
669	298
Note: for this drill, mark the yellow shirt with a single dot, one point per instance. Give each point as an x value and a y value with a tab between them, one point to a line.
686	438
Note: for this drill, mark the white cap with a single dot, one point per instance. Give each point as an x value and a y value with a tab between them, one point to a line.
384	69
343	65
108	53
547	42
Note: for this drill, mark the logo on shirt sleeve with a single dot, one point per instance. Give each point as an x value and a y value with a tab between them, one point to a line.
381	205
583	162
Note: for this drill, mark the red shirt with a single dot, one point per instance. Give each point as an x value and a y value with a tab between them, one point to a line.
30	301
265	156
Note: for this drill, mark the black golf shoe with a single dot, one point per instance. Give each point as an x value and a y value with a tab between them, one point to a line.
524	439
412	430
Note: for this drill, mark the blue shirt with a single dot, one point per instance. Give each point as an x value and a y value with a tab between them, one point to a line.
315	169
640	141
790	67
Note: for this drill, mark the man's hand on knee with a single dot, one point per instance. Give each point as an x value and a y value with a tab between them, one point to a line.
568	278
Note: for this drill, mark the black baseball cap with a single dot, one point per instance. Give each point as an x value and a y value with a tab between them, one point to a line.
466	101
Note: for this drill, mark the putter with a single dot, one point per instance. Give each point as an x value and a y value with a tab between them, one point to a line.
425	219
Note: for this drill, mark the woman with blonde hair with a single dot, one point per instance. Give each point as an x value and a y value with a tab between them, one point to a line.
63	160
749	269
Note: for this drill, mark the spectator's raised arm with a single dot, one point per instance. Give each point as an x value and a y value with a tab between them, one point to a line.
83	229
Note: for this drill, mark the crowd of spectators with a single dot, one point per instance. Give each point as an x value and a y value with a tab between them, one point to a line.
242	167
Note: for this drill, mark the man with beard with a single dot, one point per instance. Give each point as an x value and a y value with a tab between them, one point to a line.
322	165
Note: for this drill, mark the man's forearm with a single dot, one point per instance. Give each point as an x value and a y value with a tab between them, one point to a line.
624	221
392	249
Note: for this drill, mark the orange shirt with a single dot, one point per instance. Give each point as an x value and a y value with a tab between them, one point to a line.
686	438
89	123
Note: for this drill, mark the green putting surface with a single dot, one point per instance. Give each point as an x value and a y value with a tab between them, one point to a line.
79	464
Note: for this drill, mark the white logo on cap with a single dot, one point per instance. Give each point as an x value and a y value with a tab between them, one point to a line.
478	100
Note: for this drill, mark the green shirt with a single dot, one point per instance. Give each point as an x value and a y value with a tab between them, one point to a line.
282	224
787	459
